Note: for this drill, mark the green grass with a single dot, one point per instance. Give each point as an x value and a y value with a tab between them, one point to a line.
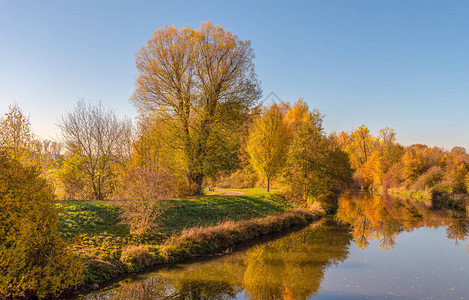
212	210
96	236
91	219
97	219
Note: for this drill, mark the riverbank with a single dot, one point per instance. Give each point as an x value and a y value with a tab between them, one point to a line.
434	198
191	228
424	196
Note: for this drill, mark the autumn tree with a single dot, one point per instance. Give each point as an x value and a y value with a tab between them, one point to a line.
98	140
315	166
385	153
16	136
359	144
244	176
153	175
34	261
306	151
200	82
69	176
150	149
267	144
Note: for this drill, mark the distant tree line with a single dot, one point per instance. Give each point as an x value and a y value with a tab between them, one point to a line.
380	163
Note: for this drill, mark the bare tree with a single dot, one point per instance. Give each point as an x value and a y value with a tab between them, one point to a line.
99	137
47	151
141	194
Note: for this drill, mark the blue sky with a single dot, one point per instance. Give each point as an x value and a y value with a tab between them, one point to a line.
402	64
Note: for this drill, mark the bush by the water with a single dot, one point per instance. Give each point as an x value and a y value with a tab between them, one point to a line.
34	260
199	241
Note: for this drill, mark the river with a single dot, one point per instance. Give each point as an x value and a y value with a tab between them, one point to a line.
375	247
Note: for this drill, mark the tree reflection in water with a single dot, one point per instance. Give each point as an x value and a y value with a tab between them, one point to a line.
291	267
382	217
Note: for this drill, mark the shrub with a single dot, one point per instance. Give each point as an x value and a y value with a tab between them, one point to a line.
199	241
240	179
137	258
33	258
141	191
453	181
393	178
429	179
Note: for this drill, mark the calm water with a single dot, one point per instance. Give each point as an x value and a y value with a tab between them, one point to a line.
375	247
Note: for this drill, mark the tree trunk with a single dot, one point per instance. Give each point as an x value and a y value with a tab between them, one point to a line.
196	179
267	187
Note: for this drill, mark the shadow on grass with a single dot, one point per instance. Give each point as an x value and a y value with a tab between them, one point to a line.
210	211
92	219
102	219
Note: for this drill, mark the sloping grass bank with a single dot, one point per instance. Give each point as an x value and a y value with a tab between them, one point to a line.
424	196
191	228
205	211
435	198
203	241
199	241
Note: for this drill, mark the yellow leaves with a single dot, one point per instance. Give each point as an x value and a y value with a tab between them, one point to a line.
268	143
381	162
202	82
371	156
16	136
289	140
359	144
387	135
372	172
298	114
33	258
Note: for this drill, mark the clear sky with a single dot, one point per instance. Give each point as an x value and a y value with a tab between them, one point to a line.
402	64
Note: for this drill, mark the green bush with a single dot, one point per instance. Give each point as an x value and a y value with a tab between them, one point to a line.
34	260
137	258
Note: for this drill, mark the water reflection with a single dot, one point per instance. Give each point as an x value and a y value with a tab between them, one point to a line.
295	266
291	267
382	217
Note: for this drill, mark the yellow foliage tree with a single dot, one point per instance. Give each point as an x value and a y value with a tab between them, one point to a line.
386	152
359	145
34	261
16	136
201	82
156	149
315	166
267	144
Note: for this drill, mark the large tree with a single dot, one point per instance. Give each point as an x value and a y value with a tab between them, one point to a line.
201	83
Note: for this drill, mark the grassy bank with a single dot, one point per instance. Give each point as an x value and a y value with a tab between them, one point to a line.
425	196
434	199
190	228
80	218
